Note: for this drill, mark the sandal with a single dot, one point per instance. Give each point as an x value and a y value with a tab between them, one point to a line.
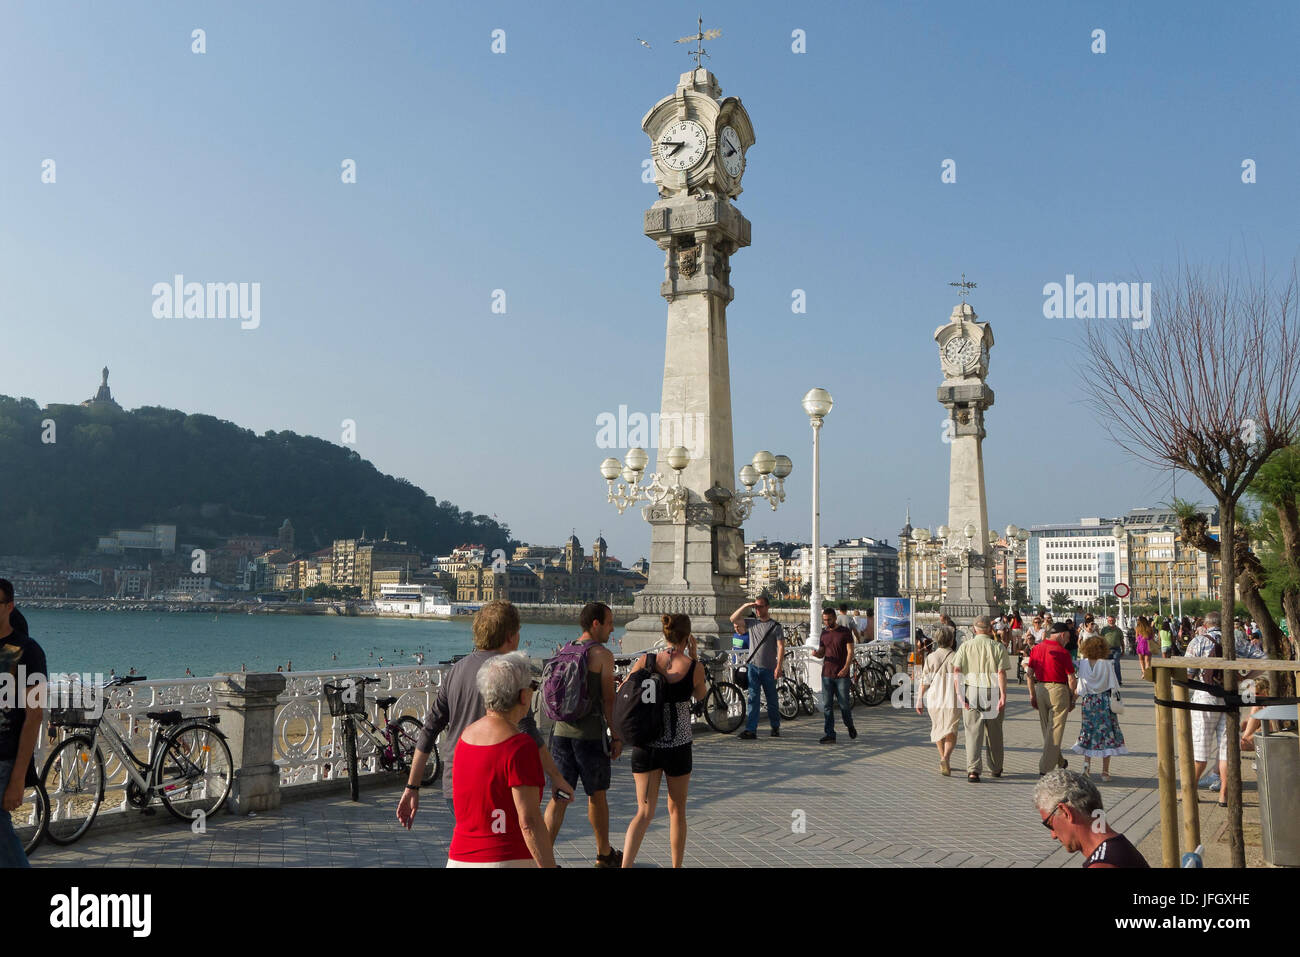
945	769
1105	778
973	778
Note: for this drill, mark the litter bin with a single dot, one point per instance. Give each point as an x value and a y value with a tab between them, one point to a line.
1279	797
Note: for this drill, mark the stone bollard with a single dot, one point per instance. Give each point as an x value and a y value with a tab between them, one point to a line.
248	703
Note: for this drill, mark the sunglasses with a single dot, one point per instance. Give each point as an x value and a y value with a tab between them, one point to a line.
1047	821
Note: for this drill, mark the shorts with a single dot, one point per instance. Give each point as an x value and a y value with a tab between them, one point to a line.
674	762
1208	728
582	759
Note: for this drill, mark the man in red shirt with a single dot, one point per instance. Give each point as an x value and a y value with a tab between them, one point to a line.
1052	688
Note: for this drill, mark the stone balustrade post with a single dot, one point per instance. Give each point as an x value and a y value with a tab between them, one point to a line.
247	707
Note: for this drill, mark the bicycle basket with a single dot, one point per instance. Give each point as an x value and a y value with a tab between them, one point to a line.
72	718
345	698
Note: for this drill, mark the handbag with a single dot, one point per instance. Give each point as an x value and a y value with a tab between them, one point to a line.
1116	703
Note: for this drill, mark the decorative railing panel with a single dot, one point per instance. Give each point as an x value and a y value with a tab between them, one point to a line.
308	740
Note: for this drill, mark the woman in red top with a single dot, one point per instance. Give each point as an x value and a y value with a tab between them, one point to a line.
497	788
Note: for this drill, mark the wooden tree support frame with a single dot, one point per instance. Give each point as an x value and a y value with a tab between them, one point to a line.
1171	767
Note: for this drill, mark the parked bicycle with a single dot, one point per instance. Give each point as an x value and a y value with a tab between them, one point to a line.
793	693
34	812
189	768
870	678
723	704
394	744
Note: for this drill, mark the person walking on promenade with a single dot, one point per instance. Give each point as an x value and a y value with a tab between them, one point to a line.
836	649
20	719
936	693
1070	806
1052	686
980	682
1146	638
458	705
1114	636
670	756
1209	728
499	780
1100	735
767	650
579	747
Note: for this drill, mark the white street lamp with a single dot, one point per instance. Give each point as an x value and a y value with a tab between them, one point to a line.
1119	531
817	403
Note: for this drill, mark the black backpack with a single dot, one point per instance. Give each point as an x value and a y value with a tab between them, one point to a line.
1214	677
639	706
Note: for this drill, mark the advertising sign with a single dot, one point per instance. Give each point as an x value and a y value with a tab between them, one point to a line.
893	619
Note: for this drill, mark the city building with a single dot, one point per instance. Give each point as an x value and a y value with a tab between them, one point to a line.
921	572
160	538
1085	560
860	569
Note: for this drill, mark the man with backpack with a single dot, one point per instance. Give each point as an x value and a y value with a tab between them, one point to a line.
578	695
1208	727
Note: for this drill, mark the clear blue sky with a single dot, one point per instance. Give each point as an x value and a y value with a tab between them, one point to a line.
522	172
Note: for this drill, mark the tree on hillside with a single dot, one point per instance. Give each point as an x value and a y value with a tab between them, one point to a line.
1209	383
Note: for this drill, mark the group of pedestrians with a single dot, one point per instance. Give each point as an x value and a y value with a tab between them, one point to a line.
498	765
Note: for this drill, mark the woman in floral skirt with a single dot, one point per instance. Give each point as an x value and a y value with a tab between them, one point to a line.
1101	735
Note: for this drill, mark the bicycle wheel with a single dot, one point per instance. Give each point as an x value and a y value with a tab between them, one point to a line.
350	748
34	812
724	708
875	686
787	699
404	742
193	771
73	779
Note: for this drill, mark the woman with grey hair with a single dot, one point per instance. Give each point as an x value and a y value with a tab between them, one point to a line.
497	787
942	699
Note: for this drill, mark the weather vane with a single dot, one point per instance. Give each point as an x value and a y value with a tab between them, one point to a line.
698	39
964	286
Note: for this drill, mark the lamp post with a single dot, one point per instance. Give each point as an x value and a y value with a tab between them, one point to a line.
1119	531
1017	539
817	403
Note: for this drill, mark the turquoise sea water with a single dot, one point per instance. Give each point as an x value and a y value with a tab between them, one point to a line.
164	645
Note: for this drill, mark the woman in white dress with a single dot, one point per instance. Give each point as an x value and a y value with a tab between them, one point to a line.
941	698
1100	735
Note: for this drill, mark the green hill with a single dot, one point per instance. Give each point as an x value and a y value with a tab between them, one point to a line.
114	469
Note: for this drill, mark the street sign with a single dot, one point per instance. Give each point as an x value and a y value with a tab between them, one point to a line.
1121	590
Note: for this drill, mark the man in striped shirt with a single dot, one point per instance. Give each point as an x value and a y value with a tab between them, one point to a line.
1070	806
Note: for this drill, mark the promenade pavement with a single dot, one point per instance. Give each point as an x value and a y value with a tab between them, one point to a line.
878	801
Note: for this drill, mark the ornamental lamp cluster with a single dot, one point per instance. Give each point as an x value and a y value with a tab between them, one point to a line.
766	470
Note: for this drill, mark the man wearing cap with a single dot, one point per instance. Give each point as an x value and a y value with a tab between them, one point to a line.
1052	688
1114	636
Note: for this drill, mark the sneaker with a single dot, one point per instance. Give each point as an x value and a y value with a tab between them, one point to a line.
748	735
775	733
1210	782
853	731
613	859
828	739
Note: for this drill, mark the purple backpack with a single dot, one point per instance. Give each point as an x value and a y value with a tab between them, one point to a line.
564	683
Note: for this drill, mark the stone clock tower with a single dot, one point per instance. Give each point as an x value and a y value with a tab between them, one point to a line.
698	143
964	345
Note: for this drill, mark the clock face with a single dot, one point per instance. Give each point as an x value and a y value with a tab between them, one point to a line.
733	160
960	351
682	145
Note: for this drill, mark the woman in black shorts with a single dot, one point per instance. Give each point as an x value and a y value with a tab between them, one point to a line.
671	754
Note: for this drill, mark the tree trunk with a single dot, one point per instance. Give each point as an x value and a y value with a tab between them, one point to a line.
1231	786
1250	583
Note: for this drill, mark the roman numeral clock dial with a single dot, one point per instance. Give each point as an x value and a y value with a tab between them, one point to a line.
682	145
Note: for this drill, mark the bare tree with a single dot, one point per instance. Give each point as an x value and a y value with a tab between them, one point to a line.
1209	383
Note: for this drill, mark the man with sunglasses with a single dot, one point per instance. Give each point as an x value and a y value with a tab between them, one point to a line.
20	717
1070	806
767	650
